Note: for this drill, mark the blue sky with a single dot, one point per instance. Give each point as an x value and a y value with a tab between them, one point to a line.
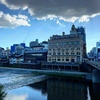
35	19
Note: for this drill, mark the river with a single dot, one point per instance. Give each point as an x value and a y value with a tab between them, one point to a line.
19	85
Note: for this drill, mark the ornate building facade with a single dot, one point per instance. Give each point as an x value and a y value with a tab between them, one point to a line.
67	48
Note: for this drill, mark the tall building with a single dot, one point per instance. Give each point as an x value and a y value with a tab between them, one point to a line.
98	50
17	48
92	54
67	48
35	45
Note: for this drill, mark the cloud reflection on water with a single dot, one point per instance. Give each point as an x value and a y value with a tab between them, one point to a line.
12	96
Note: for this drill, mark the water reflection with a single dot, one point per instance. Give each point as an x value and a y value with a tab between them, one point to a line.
56	89
16	97
95	94
66	90
25	93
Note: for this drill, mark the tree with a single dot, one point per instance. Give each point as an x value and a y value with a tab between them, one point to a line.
2	92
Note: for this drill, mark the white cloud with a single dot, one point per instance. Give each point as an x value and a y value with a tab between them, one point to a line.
7	20
67	10
51	17
72	19
86	18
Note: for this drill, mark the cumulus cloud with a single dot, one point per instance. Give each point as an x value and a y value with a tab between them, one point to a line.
7	20
67	10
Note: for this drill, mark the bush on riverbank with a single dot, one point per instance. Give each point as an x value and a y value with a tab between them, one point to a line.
2	92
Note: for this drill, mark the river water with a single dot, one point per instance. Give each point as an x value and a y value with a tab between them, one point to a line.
19	86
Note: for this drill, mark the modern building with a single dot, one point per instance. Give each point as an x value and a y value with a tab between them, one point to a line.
17	53
17	48
67	48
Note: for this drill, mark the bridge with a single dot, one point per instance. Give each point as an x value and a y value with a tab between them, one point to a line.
95	69
95	64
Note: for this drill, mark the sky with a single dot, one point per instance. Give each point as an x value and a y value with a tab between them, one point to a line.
23	21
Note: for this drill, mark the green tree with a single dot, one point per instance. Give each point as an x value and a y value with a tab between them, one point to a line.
2	92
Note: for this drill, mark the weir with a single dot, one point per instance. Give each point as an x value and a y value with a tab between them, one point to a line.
12	78
93	76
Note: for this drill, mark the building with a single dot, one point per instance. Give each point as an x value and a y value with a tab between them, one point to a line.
4	55
35	45
92	54
35	56
16	58
45	44
98	50
67	48
17	53
18	48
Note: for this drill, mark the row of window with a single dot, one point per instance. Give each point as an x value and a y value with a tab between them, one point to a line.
65	43
67	53
67	60
59	49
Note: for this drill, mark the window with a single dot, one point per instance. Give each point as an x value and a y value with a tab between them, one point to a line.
58	59
49	49
78	48
54	53
72	53
62	59
67	59
72	48
62	53
49	53
49	58
78	53
72	60
67	53
78	58
58	53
